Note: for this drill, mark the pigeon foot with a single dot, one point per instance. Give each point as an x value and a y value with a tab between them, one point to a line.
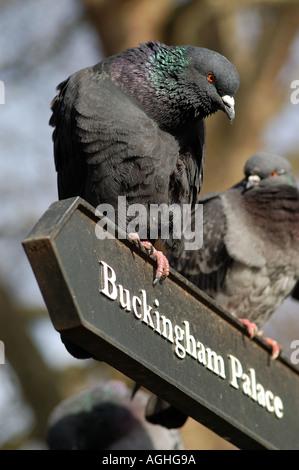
162	262
251	327
276	348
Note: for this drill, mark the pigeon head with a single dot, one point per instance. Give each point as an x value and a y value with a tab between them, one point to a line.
263	169
214	81
176	84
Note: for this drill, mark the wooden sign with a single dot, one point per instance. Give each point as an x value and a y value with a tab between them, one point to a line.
171	338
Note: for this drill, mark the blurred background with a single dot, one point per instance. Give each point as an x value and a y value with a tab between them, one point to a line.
42	43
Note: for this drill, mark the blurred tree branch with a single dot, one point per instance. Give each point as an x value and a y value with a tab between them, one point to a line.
38	381
259	98
126	23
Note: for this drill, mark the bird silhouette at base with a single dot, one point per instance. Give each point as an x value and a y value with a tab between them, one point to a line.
105	418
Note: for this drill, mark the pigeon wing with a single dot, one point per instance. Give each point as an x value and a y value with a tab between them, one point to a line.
207	266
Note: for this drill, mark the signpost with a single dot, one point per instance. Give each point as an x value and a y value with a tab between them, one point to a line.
171	338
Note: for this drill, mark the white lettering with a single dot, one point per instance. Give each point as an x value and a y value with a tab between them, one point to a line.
269	399
118	460
201	354
253	384
236	370
167	325
157	329
185	343
109	288
189	341
179	336
251	388
146	310
136	299
278	407
215	363
261	398
157	314
246	385
124	298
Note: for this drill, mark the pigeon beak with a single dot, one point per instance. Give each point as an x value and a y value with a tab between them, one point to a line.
252	180
229	106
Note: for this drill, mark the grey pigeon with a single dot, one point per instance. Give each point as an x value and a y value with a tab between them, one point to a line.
105	417
249	260
133	126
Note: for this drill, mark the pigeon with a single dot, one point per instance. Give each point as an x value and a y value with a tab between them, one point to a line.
133	126
249	260
105	418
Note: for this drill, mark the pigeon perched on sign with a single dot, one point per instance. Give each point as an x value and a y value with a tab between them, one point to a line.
105	418
133	126
249	260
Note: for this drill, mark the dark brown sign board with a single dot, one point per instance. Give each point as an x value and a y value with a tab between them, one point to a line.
171	338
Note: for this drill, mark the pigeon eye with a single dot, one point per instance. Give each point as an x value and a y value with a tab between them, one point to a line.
273	174
211	77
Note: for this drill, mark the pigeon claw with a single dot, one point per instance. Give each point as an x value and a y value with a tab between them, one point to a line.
135	238
251	327
276	348
253	331
162	262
